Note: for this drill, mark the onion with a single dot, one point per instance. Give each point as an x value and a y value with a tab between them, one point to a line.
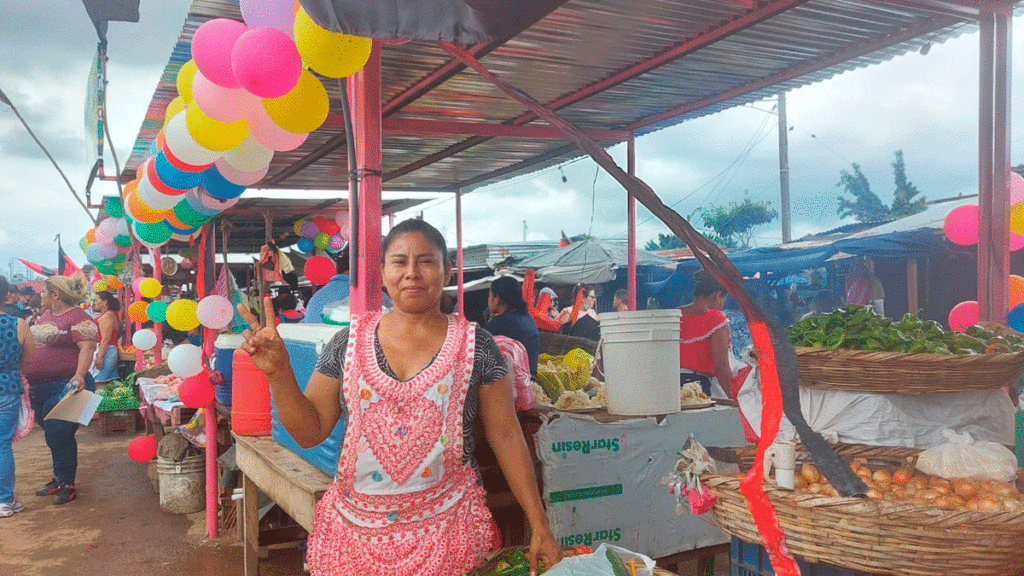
965	487
941	502
942	489
956	501
810	472
986	505
881	476
927	495
872	493
1003	489
818	488
902	476
918	482
1012	505
938	481
899	492
799	483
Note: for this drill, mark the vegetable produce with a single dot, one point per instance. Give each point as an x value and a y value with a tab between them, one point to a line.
861	328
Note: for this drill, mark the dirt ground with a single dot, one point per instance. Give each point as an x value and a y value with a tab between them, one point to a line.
115	526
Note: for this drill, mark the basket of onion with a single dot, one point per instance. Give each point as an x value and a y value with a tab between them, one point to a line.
910	524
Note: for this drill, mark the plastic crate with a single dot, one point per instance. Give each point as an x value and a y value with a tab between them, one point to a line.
118	421
746	559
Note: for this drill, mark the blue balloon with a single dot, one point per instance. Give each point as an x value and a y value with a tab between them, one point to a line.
171	176
1015	319
304	245
182	231
218	186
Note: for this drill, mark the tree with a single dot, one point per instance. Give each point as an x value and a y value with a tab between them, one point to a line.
867	207
903	203
665	242
733	225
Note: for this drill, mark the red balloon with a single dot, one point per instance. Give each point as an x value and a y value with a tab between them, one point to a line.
961	225
320	222
319	270
197	391
142	449
963	315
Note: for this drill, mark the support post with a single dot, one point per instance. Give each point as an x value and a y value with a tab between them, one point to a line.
261	286
631	224
458	251
787	231
912	290
365	95
986	34
999	259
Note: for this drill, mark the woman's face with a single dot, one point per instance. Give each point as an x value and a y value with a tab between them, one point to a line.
414	273
492	302
48	299
99	305
591	299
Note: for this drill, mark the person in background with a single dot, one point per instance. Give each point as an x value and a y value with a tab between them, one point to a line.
586	323
412	507
12	301
285	308
705	354
589	301
336	290
27	292
864	288
510	317
821	304
65	337
620	300
109	320
553	303
16	350
652	303
35	304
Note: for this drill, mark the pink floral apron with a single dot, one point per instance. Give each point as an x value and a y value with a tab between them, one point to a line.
402	502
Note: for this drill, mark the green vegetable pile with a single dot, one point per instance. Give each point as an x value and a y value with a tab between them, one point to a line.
861	328
116	389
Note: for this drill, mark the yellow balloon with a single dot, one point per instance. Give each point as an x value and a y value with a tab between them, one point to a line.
330	54
186	74
149	288
1017	218
99	286
214	134
181	315
173	108
301	110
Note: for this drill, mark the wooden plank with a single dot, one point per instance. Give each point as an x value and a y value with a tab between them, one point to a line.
291	482
286	463
250	527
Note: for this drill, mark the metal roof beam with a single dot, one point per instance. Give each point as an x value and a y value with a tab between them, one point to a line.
958	8
675	52
926	27
521	165
445	128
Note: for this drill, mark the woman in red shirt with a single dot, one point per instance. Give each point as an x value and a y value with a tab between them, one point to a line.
704	340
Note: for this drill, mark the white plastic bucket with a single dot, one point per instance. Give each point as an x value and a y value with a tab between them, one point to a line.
640	351
182	484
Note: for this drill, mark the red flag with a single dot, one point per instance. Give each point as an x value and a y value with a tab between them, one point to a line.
69	266
37	268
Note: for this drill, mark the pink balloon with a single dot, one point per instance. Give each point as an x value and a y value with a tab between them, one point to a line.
108	226
961	225
211	49
220	103
1016	242
216	203
135	287
278	14
215	312
235	176
270	135
196	391
108	250
963	315
266	62
344	228
1016	188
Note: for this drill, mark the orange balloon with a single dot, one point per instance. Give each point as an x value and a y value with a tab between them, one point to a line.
140	212
91	235
140	171
114	283
137	311
1016	290
129	188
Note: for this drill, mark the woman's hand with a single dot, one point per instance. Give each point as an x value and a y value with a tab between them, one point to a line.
78	382
99	362
263	344
543	545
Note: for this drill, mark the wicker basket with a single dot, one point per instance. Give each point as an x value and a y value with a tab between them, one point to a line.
893	372
878	536
558	344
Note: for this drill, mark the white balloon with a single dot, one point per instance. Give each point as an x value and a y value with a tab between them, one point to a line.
122	227
144	339
183	146
249	156
185	360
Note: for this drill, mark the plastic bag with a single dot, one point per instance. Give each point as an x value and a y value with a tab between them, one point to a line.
26	417
962	457
600	564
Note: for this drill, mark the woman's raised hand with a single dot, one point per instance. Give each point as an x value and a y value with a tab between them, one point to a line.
263	343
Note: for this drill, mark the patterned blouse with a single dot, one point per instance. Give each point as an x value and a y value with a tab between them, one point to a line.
10	356
57	338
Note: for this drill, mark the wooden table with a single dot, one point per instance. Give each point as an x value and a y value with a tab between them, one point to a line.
294	484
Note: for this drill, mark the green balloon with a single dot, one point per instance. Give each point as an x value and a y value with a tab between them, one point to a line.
157	311
322	240
114	207
83	243
119	258
157	233
185	213
123	241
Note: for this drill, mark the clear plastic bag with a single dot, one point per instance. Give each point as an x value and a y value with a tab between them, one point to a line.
26	417
961	457
598	563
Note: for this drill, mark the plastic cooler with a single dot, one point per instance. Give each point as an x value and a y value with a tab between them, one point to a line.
748	559
223	348
305	343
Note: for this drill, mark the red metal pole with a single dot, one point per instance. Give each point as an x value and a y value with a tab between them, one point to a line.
140	364
205	240
999	245
985	147
158	353
631	224
365	94
458	249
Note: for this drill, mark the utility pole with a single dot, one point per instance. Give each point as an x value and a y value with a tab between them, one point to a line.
524	230
787	233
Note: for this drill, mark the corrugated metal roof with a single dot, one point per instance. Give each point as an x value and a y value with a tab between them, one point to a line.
576	47
480	256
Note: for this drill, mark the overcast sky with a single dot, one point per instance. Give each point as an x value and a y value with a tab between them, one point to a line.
923	105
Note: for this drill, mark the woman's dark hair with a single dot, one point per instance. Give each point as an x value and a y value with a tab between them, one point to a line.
5	286
286	301
704	284
416	225
110	299
507	288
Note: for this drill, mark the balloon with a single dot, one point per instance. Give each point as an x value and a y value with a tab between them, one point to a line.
220	103
330	54
1015	319
108	226
296	227
113	206
107	251
174	107
961	225
305	245
90	235
188	216
123	241
321	240
186	74
152	235
211	50
329	227
1017	219
144	339
309	230
184	147
122	227
303	109
218	187
197	391
249	155
149	288
1016	242
187	265
341	219
278	14
192	198
213	202
181	315
235	176
142	449
963	315
215	312
214	134
335	242
140	211
114	284
154	198
93	253
1016	289
1016	188
157	310
137	311
266	62
319	270
99	285
320	221
270	134
83	243
172	176
185	360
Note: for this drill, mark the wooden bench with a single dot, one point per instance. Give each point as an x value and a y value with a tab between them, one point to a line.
294	484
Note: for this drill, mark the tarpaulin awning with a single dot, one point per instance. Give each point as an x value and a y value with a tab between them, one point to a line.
590	261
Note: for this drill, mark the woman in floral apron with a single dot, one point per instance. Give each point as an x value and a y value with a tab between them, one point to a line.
406	499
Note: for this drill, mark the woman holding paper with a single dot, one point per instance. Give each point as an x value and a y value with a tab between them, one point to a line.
16	347
65	338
